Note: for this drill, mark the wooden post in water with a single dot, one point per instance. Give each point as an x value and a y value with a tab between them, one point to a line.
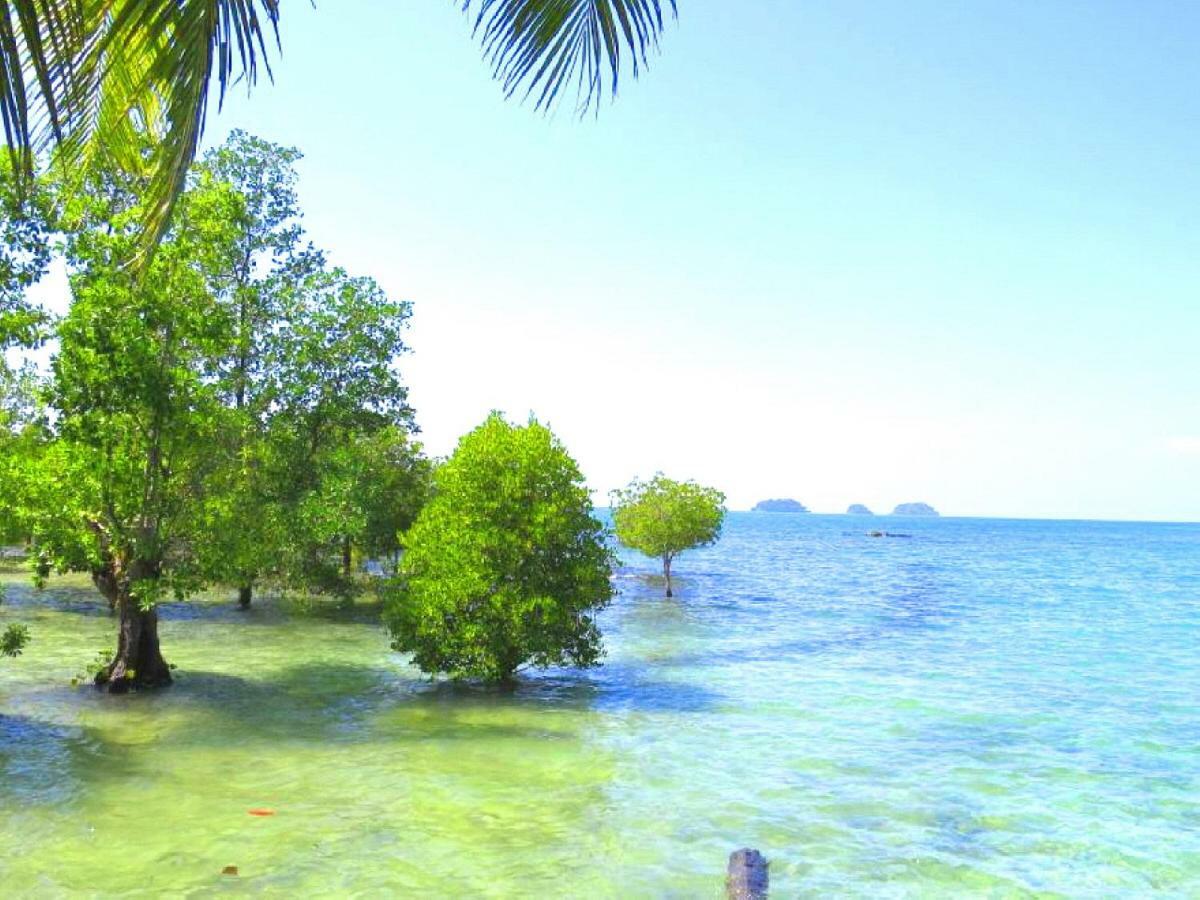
748	878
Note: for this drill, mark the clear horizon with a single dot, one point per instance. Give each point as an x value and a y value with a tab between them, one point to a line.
847	253
876	514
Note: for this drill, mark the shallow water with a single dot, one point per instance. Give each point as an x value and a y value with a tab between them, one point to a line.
997	707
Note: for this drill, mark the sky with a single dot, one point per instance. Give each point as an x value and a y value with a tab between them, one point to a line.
846	252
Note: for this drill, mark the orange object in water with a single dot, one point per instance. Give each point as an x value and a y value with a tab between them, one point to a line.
261	812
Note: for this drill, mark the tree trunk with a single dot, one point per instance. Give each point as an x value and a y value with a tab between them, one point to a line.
245	594
748	876
347	562
138	662
106	583
667	574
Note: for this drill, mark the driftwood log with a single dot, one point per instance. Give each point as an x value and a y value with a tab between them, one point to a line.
748	878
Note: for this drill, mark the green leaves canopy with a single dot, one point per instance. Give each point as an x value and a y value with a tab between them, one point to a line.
661	517
506	565
138	415
320	444
231	412
24	255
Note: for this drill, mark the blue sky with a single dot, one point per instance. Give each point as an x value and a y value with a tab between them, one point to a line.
845	252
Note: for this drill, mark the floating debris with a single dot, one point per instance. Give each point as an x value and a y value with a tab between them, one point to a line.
229	870
261	812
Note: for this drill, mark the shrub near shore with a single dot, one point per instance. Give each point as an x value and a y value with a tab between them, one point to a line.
506	566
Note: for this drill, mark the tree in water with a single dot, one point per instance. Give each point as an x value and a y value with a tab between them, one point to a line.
506	565
270	257
216	416
340	429
22	431
133	442
393	484
323	462
662	518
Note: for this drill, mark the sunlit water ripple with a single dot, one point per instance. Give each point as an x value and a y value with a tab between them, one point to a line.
997	707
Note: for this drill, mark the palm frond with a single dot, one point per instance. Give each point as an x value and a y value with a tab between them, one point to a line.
548	45
41	44
94	77
155	65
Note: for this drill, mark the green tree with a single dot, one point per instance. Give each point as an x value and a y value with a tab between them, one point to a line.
22	436
269	258
323	463
337	399
506	566
137	419
394	484
90	75
372	485
661	518
230	412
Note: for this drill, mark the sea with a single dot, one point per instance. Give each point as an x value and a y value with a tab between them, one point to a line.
964	707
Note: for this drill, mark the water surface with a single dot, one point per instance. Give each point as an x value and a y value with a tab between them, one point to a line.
998	707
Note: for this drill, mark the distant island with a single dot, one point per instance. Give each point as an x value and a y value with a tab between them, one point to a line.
857	509
914	509
792	506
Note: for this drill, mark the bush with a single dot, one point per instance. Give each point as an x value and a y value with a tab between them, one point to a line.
506	566
14	638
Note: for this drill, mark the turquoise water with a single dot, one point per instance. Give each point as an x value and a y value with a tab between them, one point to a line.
996	707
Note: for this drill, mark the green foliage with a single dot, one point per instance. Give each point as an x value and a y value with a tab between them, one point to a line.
243	517
661	518
22	431
13	640
25	216
338	400
14	637
136	409
323	459
506	565
367	486
230	411
392	486
99	660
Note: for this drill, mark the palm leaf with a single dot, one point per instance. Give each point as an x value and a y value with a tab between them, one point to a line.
548	45
95	76
153	69
41	44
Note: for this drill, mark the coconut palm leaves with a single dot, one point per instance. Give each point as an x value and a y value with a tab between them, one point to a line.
548	45
92	77
149	68
155	67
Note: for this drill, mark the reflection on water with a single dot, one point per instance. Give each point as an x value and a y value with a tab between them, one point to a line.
1004	707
